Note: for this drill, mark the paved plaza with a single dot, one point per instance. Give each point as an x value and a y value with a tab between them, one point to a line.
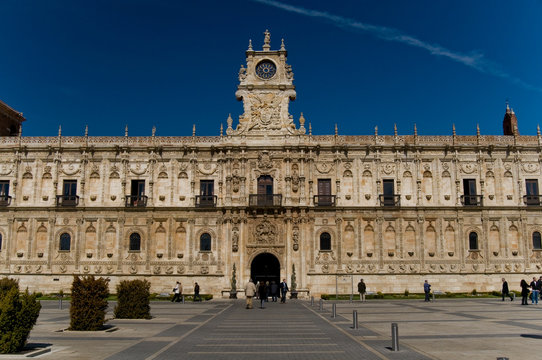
224	329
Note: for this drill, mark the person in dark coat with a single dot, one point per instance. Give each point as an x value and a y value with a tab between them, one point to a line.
274	291
196	292
505	290
524	291
361	290
283	291
426	290
262	291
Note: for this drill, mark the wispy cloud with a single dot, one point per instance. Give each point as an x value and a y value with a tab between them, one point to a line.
475	60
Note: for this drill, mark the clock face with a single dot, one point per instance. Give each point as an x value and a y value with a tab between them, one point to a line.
266	70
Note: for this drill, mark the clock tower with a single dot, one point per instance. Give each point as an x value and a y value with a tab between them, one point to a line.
266	88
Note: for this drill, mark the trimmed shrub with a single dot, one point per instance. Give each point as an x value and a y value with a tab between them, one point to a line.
89	303
133	300
18	314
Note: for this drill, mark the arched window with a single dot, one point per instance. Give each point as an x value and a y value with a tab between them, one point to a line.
0	242
205	242
325	242
537	241
135	242
473	241
65	242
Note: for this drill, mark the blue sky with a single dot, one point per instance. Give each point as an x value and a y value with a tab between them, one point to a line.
357	63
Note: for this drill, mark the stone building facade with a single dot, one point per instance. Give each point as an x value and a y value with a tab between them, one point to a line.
269	197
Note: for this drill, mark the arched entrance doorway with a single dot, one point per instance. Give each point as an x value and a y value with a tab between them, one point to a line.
265	267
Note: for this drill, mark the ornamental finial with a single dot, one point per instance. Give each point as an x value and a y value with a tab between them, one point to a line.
266	40
153	130
301	120
282	47
249	44
538	130
453	129
376	130
415	130
336	129
126	130
193	129
310	129
59	130
395	129
86	130
221	129
477	129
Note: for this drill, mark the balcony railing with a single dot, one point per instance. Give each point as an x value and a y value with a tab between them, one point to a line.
324	200
206	200
136	200
265	200
67	200
5	200
390	200
531	200
472	200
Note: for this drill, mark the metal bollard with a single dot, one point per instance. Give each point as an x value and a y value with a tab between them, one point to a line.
321	304
334	310
433	297
394	337
60	302
503	358
514	298
183	299
312	300
351	298
355	319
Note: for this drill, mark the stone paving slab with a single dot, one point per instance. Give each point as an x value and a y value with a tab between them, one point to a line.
224	329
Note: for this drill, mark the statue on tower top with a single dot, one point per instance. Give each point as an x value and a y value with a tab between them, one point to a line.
267	40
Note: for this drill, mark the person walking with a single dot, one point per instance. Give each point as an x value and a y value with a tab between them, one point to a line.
524	291
534	291
283	291
177	291
274	291
362	289
250	290
505	290
426	290
262	291
196	292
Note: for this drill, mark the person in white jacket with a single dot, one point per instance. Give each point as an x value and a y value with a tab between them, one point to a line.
250	290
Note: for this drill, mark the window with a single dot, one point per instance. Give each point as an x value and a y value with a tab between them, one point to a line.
205	242
4	188
265	190
473	241
537	241
325	242
65	242
137	196
4	193
469	192
69	194
135	242
324	193
206	193
0	242
532	197
388	198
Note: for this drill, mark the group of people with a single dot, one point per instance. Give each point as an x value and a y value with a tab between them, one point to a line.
533	288
264	290
178	292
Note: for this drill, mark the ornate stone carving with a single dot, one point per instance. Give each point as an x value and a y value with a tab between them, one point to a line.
295	238
530	167
264	161
468	168
235	240
266	232
324	167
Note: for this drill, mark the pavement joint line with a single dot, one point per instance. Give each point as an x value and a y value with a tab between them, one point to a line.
260	345
380	336
187	333
267	352
356	339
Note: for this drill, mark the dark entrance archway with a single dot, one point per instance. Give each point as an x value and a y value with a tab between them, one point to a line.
265	267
